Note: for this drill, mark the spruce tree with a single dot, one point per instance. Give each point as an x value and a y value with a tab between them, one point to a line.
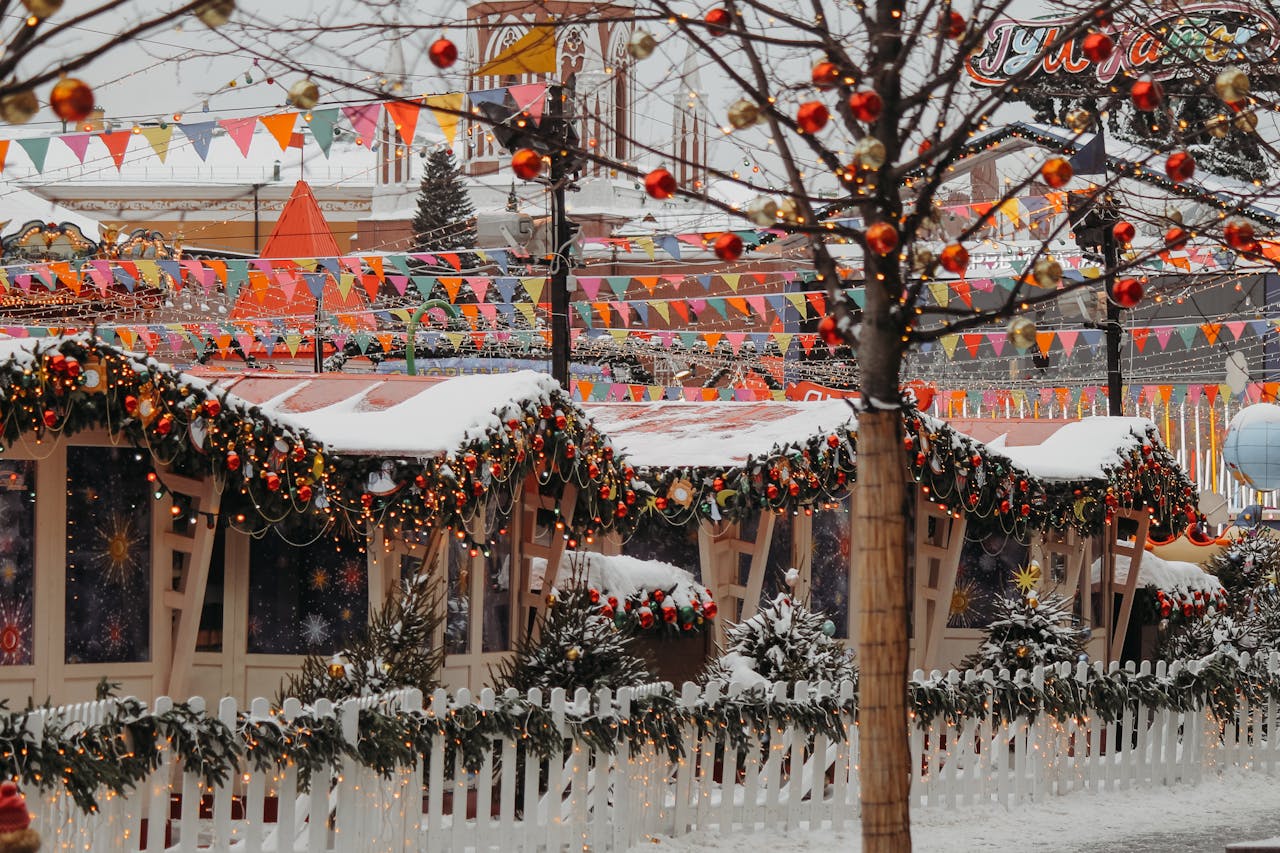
445	218
1029	630
1248	563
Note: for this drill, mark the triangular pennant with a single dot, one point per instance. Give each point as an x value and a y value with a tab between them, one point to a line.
405	118
200	134
529	96
321	123
280	126
1211	331
78	143
4	152
446	110
1044	340
533	287
1068	340
117	143
364	119
159	138
532	53
241	131
1163	333
948	342
971	342
37	148
1140	336
1188	335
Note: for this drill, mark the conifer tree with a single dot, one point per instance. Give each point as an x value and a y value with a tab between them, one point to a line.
1248	563
445	218
1029	631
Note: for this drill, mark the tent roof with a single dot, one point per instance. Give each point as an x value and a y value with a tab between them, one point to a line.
301	231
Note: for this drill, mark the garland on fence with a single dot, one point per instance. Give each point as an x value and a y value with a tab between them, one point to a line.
119	753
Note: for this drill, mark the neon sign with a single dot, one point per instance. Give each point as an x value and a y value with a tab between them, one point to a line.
1213	33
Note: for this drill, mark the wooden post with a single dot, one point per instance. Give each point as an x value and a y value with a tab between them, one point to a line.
937	564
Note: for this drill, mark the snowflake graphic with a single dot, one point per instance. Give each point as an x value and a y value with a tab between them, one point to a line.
351	578
963	599
15	633
119	553
315	630
319	579
113	635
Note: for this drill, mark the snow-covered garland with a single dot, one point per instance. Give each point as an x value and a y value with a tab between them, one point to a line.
194	428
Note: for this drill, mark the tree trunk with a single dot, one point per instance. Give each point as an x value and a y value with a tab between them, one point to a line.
879	535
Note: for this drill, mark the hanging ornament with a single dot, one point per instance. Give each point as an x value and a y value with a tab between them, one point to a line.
1021	332
1046	273
71	99
1180	166
304	94
336	669
882	238
1246	122
762	211
19	107
214	13
1146	94
828	332
826	75
718	22
442	53
1238	233
42	8
1176	237
728	246
954	258
829	628
660	184
812	116
572	654
1232	84
641	45
789	211
1097	47
955	25
273	481
1079	120
1124	231
743	113
869	153
1127	292
1218	127
527	164
923	260
1056	172
865	105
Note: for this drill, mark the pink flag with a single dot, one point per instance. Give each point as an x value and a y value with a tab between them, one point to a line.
78	143
241	131
364	118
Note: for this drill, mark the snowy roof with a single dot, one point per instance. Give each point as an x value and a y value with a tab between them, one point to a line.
1079	450
620	576
724	434
1175	578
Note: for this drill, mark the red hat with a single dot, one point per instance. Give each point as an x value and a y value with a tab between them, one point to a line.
14	816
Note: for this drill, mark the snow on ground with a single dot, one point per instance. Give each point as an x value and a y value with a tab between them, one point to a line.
1238	806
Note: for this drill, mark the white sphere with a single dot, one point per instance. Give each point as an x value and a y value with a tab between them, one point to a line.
1251	449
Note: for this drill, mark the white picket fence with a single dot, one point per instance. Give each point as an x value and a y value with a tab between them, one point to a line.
596	800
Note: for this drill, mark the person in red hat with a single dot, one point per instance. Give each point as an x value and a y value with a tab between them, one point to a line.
16	834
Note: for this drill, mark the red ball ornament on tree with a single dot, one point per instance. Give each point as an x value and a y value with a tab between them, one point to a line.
865	105
1238	233
955	25
1176	237
212	408
812	116
273	481
130	404
526	163
1124	231
233	461
669	613
772	492
954	258
50	417
660	184
826	75
718	21
1180	166
882	238
728	246
1127	292
165	425
442	53
304	493
71	99
1056	172
1097	47
1146	95
828	332
645	615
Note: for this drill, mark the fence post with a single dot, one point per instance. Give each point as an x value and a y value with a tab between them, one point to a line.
439	710
411	703
555	775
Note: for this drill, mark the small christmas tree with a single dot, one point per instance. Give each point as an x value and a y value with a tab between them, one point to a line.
784	641
575	646
1248	563
1029	631
445	218
394	652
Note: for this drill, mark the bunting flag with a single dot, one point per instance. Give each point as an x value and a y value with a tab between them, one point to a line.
241	131
199	134
280	126
532	53
364	120
117	143
321	123
37	148
531	97
78	143
446	110
4	152
405	118
159	138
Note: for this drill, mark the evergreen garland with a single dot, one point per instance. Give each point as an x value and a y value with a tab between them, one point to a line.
394	651
445	218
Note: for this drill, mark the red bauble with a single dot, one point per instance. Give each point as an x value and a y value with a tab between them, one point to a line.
526	163
882	238
826	75
1176	237
1124	231
728	246
50	417
865	105
669	613
273	481
645	615
299	452
955	25
71	99
442	53
233	460
771	492
212	408
130	404
1146	95
1127	292
1056	172
73	368
660	503
561	422
833	440
1238	233
954	258
165	425
366	500
1097	47
812	116
304	493
660	184
718	21
58	363
828	332
1180	166
709	610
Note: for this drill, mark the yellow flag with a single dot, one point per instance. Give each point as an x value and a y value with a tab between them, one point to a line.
645	243
533	287
949	345
445	108
941	293
532	53
158	138
526	309
731	279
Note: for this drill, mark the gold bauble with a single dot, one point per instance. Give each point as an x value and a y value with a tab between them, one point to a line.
641	45
1232	84
573	653
923	260
869	153
1021	332
337	670
743	113
789	211
304	94
1046	273
19	107
1079	120
215	13
1173	215
1033	602
1023	651
551	599
1218	126
762	211
42	8
1246	122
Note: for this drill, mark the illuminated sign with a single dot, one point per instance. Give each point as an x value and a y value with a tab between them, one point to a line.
1200	33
